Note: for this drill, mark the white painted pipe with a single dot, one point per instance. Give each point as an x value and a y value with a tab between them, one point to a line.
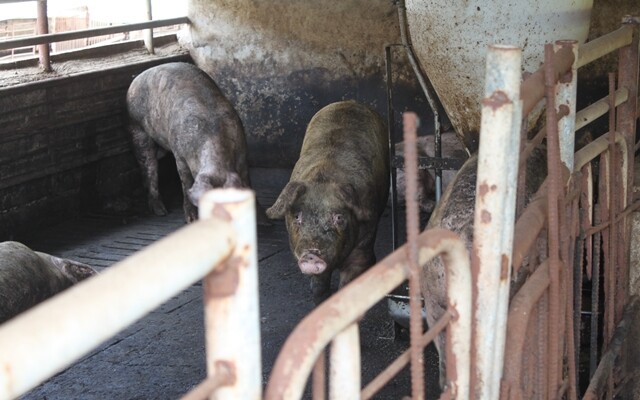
344	376
51	336
231	297
566	94
495	211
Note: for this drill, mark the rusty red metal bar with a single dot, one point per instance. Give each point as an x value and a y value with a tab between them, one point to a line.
399	363
319	378
533	88
410	126
43	29
553	226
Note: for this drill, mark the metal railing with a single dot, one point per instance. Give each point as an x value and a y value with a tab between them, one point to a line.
221	248
44	38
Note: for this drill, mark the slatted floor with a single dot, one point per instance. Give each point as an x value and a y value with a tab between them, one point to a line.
162	355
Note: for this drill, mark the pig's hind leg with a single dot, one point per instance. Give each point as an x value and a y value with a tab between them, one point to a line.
145	150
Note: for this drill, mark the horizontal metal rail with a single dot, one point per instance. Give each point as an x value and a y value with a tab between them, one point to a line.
41	342
604	45
84	33
316	330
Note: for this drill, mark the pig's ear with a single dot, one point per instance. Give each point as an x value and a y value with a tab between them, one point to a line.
347	193
289	194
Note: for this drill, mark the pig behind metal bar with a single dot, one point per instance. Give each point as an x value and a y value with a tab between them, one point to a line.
29	277
337	192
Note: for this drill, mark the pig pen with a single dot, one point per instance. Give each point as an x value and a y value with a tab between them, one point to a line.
162	356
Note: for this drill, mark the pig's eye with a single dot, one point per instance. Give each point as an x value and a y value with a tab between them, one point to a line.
339	221
298	218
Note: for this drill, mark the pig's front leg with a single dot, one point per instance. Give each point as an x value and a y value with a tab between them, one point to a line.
358	261
190	210
321	287
145	150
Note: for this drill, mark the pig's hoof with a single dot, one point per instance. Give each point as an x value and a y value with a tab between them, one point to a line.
157	207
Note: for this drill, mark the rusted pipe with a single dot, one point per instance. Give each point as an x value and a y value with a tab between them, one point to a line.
319	378
344	364
601	375
532	88
402	360
537	140
85	33
553	225
315	331
410	126
43	29
232	321
614	196
599	108
528	228
49	337
148	33
604	45
522	306
495	212
566	91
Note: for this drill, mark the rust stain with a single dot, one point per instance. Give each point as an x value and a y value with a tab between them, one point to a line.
9	373
504	270
484	189
223	282
563	109
485	217
497	99
494	188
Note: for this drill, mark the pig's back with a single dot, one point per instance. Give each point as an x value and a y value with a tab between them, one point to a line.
346	142
179	98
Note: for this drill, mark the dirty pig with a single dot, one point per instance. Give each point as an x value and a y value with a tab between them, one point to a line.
177	107
336	194
29	277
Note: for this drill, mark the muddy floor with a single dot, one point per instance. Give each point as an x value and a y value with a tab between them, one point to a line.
162	356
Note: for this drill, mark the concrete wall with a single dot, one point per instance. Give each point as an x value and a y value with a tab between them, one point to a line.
279	62
64	148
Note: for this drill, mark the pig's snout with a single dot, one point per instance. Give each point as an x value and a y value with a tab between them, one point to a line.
310	263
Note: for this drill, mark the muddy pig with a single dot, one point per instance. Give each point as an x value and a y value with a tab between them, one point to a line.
455	212
177	107
336	194
451	148
29	277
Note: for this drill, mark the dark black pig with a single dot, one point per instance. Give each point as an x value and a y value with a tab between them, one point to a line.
29	277
336	194
177	107
455	212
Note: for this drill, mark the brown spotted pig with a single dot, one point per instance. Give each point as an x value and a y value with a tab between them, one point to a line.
336	194
177	107
29	277
455	212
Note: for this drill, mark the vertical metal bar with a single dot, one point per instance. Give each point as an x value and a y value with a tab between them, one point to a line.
566	92
344	364
43	29
148	33
410	127
553	196
231	297
595	299
613	202
628	65
392	148
495	213
318	377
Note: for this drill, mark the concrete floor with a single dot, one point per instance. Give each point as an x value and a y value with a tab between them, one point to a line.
162	355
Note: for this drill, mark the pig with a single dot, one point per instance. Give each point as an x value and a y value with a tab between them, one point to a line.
451	148
29	277
177	107
337	191
455	212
